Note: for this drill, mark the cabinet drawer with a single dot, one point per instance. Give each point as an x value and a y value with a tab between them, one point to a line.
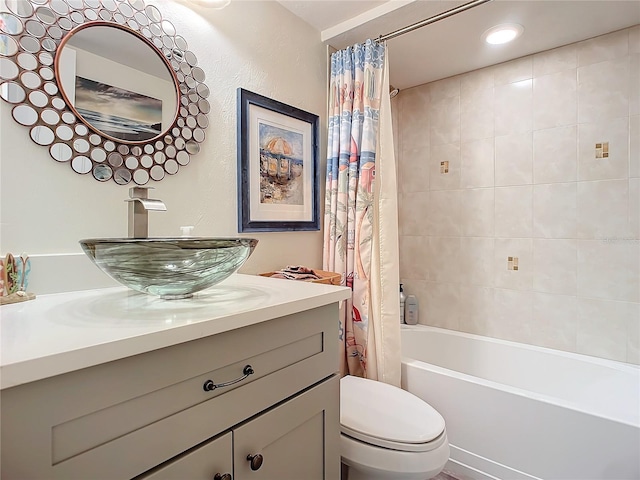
79	422
215	457
89	431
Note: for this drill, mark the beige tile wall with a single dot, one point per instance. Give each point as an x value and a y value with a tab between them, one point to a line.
523	181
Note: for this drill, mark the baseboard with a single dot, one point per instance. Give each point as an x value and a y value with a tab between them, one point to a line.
464	472
465	465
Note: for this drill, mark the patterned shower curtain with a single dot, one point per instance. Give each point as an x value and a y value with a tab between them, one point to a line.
351	234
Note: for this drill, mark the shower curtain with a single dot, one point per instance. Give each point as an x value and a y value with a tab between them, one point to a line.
361	219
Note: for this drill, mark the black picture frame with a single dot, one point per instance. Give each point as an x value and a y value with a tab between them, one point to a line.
278	171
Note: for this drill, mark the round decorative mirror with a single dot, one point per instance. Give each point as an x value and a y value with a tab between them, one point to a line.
106	85
122	88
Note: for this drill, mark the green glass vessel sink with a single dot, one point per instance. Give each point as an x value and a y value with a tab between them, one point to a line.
169	267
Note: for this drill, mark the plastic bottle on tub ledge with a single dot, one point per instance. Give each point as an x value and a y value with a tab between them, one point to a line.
411	310
403	297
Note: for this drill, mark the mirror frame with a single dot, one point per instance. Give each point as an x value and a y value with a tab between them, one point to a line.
92	151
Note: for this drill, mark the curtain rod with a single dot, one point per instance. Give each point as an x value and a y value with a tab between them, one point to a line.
430	20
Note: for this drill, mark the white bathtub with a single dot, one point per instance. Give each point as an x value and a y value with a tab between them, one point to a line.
515	411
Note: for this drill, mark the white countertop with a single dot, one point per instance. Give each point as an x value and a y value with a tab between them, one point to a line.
63	332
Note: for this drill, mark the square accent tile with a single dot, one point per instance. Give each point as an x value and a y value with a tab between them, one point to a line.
602	150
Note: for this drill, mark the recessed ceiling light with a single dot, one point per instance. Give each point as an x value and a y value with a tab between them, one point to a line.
503	33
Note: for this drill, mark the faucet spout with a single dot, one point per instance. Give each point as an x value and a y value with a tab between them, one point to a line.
139	207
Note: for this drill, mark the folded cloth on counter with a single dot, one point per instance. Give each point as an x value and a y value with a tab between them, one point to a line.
296	272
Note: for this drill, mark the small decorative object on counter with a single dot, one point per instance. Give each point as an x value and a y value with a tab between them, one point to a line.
306	274
17	297
411	310
403	298
10	274
14	279
23	272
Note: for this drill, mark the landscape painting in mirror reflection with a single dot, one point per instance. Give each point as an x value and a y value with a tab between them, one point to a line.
117	112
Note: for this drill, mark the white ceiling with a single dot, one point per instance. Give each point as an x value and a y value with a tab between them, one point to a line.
453	45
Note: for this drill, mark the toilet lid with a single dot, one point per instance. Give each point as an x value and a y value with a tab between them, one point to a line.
381	411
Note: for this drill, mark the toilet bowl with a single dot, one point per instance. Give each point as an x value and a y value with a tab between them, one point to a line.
388	433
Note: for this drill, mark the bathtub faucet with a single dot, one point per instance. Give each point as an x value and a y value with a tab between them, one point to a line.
139	207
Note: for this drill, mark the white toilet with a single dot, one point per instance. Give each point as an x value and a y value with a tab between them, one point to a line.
388	433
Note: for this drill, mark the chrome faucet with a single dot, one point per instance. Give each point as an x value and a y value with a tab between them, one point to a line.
139	206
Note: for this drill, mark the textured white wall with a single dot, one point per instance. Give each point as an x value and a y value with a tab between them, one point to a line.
45	208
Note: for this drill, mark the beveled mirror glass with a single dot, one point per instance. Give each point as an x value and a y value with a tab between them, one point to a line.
108	86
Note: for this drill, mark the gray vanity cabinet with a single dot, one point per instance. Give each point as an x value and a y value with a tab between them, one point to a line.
151	416
294	440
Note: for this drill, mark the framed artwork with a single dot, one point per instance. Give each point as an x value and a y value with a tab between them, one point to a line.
277	166
118	112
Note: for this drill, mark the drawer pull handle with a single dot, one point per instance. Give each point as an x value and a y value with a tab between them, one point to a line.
209	385
222	476
256	461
